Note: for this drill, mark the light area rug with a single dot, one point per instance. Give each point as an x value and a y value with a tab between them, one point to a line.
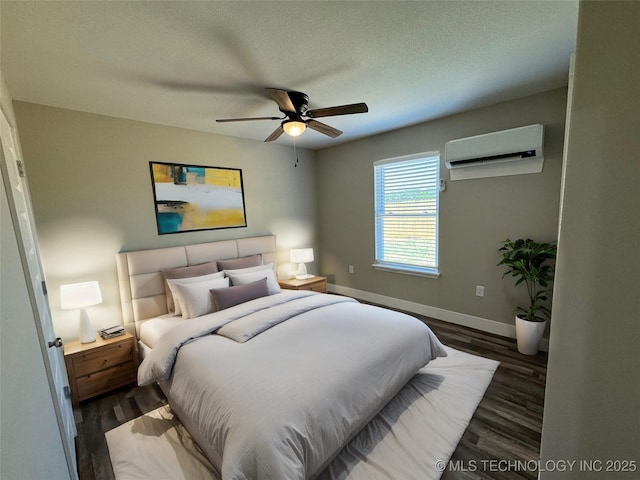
420	427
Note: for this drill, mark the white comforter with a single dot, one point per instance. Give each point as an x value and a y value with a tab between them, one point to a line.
297	377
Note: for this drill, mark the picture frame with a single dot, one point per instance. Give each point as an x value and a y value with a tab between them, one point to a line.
190	197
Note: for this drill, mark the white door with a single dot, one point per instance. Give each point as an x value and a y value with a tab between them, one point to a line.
22	217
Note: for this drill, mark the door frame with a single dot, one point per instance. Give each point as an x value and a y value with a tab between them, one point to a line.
11	168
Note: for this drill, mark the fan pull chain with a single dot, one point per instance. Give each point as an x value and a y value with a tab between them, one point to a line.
295	152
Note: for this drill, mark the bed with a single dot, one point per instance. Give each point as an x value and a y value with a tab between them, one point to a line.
272	387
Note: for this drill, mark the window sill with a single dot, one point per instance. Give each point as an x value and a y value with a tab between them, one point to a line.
418	272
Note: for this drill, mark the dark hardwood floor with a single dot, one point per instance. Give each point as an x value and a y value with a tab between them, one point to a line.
502	440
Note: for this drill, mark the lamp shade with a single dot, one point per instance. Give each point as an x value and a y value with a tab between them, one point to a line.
294	128
80	295
302	255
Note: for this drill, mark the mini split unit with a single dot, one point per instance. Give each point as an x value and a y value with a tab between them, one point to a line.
509	152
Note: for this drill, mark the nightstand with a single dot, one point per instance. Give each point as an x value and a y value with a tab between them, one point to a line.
101	366
316	284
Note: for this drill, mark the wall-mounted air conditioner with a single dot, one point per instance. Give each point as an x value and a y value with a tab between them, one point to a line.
509	152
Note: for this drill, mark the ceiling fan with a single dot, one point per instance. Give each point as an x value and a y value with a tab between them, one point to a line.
294	106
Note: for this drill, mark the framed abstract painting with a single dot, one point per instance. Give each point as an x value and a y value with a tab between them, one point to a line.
196	197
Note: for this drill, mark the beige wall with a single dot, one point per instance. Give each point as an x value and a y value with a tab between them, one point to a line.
593	385
92	195
475	214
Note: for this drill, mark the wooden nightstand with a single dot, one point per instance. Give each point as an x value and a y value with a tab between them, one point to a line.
316	284
100	366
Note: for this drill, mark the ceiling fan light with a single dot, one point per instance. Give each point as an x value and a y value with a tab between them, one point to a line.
294	128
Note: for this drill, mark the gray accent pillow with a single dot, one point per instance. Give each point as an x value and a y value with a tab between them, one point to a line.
228	297
242	271
185	272
242	262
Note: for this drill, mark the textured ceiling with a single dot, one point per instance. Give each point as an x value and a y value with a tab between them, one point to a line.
187	63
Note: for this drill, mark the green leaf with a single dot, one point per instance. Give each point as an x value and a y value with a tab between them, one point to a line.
531	263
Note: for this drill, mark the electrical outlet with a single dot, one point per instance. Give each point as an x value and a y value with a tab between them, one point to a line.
479	291
351	269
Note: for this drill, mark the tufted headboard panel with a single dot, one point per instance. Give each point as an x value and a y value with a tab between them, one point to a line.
142	291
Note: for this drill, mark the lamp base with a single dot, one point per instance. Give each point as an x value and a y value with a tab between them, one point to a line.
301	273
87	333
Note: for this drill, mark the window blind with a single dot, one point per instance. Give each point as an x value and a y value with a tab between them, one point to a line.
406	212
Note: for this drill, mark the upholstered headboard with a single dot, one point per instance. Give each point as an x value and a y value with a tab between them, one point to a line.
142	289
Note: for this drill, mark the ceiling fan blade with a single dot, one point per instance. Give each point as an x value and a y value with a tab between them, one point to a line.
281	97
323	128
339	110
275	135
222	120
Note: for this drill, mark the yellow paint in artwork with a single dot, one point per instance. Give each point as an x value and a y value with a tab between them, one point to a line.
193	218
231	217
222	177
162	173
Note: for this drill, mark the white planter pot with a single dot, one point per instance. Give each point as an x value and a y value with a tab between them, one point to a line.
529	335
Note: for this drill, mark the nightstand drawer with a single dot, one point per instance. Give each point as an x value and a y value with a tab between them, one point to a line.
315	287
106	380
314	283
102	359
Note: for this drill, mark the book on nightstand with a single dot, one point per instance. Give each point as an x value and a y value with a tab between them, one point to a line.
112	332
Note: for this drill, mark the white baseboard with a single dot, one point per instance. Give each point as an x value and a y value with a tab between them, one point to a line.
483	324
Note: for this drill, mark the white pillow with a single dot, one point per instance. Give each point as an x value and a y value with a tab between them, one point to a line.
249	277
241	271
194	297
201	278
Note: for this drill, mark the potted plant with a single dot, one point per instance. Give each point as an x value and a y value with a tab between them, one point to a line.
530	263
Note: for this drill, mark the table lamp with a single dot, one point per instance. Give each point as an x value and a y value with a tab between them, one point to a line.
302	256
81	295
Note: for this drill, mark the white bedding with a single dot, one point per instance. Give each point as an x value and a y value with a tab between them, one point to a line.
152	329
417	428
282	401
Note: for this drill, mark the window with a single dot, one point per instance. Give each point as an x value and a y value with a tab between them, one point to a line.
406	210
